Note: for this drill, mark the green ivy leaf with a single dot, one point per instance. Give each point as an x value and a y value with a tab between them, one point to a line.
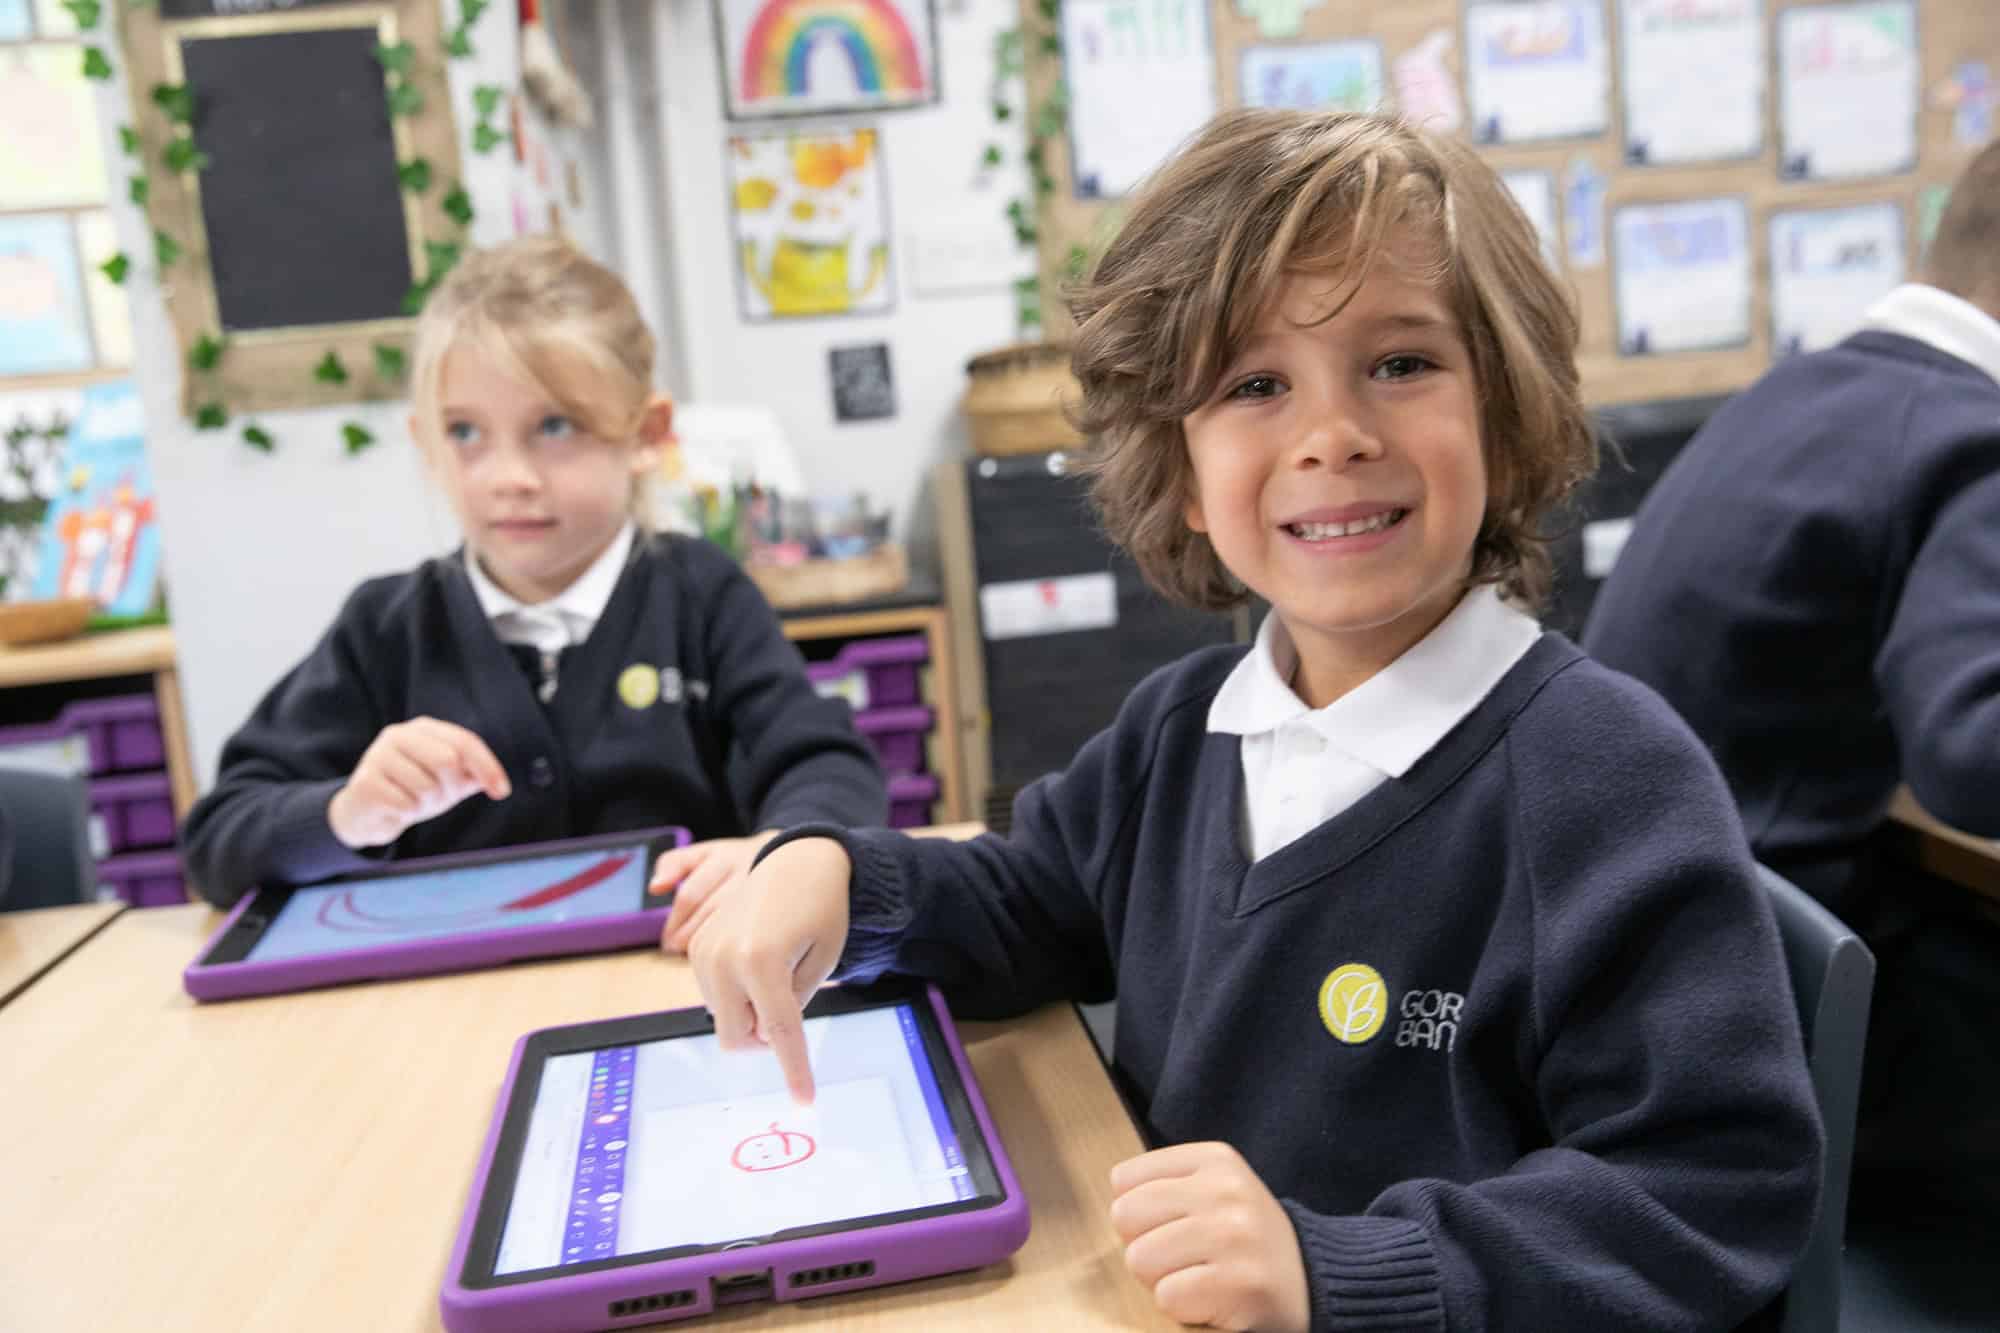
140	189
1017	212
211	416
176	99
991	157
356	436
95	66
389	361
85	12
1051	10
486	99
485	138
405	100
128	139
396	59
458	206
182	156
115	268
470	10
1076	261
459	45
329	370
415	175
258	438
1001	111
1051	44
206	354
442	256
413	299
165	248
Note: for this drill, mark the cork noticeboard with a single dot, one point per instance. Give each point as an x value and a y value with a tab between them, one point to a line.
1947	33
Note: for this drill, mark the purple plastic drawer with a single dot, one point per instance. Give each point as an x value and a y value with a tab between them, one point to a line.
144	879
874	673
90	736
910	798
898	735
132	812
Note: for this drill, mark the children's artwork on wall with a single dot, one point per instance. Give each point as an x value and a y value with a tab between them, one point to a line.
1535	192
1344	76
811	212
1683	276
864	388
1930	211
44	327
1584	188
1665	44
807	57
1970	96
1537	71
17	23
34	427
1426	87
101	535
50	154
1847	100
1828	265
1120	56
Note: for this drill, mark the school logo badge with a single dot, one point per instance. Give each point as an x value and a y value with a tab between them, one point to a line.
639	685
1353	1002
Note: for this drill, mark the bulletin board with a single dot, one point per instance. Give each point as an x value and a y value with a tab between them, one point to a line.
1778	198
299	237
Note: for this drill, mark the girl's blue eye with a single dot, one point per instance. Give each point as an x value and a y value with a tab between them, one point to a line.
461	432
1257	386
557	426
1402	366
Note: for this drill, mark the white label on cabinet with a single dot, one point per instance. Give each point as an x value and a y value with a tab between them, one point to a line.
1026	607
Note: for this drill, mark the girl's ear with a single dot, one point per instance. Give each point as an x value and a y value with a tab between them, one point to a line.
656	432
417	437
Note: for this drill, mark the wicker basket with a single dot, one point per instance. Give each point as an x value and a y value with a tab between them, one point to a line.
23	623
1016	398
882	571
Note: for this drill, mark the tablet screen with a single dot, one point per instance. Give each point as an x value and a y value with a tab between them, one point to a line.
368	913
663	1144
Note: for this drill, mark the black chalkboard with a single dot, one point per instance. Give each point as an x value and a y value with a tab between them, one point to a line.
229	9
300	198
863	387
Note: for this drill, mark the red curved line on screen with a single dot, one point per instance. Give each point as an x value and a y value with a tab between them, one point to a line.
365	921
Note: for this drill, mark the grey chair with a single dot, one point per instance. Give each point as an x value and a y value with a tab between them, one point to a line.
47	819
1833	982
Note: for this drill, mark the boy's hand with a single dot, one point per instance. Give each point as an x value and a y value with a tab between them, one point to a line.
413	771
1208	1239
698	874
768	945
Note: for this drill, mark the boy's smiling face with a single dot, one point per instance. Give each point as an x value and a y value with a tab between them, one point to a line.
1338	472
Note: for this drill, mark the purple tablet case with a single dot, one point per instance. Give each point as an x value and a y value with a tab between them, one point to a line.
453	953
638	1294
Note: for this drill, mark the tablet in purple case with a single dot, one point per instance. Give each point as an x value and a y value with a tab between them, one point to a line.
440	914
634	1172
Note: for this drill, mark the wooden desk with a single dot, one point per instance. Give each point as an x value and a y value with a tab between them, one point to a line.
1963	858
301	1162
31	942
148	651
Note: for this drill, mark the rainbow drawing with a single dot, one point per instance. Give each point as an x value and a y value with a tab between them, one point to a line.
874	34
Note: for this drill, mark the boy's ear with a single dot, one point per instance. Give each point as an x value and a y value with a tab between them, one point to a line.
1191	510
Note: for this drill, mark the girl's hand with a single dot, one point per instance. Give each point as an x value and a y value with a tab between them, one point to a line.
699	874
767	946
413	771
1209	1240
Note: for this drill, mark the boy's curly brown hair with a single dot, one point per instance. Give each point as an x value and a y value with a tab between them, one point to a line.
1209	243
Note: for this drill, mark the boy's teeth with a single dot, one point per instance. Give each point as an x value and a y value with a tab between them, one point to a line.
1319	532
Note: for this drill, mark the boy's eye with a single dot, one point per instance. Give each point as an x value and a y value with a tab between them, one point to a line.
1401	366
1257	386
557	426
461	432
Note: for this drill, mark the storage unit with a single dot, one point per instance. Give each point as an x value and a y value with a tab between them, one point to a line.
131	812
144	879
874	673
90	736
910	799
899	736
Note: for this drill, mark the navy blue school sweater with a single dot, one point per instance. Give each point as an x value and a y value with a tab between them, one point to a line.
1510	1038
735	741
1815	586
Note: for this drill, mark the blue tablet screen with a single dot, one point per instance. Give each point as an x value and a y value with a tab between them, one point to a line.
366	914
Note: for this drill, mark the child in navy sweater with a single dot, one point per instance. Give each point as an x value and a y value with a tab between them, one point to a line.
566	672
1440	961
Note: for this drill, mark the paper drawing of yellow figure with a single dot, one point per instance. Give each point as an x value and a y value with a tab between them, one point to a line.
812	227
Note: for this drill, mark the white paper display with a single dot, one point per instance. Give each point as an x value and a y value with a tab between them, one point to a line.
1694	80
1023	608
1535	192
1537	71
1141	82
1847	90
1828	265
1683	276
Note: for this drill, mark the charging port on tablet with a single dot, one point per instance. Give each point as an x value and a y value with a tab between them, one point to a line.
740	1287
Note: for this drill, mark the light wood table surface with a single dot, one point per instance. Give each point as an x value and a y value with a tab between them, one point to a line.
301	1162
32	941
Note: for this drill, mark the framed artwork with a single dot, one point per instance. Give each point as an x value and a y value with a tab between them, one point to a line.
810	213
813	57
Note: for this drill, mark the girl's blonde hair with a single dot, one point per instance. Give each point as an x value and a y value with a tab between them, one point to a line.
1208	245
548	315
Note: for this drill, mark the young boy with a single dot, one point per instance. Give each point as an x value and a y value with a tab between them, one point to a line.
1440	960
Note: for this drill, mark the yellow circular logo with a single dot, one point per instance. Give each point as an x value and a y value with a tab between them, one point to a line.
639	685
1353	1002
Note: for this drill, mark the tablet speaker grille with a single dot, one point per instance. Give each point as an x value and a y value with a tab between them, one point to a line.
814	1277
659	1300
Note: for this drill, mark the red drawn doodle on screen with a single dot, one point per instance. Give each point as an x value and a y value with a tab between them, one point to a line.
772	1150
